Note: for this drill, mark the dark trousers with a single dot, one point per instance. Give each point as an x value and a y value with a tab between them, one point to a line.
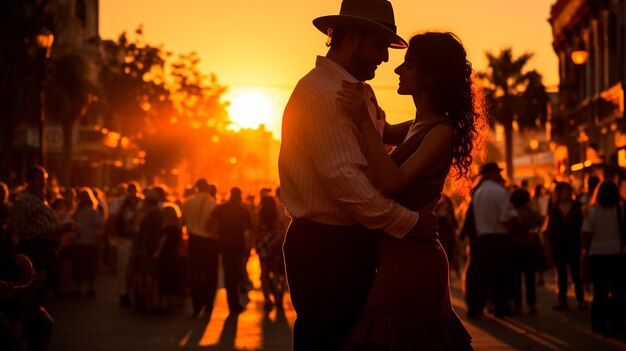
608	275
203	269
489	273
523	269
563	260
233	265
330	270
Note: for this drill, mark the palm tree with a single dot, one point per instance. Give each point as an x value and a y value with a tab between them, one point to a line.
513	94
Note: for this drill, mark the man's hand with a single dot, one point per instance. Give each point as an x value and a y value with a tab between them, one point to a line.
426	227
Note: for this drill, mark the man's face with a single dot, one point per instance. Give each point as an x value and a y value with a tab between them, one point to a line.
38	182
132	191
370	52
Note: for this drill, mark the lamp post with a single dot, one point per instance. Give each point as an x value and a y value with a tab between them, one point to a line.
45	38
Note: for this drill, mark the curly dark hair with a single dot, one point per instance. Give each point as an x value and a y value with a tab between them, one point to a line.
441	60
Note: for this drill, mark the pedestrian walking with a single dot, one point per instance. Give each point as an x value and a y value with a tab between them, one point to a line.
490	261
126	227
564	226
204	249
525	227
603	239
84	246
230	221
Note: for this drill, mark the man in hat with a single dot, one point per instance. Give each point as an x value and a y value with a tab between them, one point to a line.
489	264
329	253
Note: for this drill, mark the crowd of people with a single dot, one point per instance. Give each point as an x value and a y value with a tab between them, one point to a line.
163	247
515	237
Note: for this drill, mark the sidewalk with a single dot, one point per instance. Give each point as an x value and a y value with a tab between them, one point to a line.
99	324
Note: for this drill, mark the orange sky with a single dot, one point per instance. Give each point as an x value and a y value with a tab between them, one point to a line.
266	46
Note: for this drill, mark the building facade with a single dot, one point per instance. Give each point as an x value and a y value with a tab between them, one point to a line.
587	125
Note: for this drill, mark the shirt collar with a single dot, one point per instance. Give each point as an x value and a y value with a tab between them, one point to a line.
335	69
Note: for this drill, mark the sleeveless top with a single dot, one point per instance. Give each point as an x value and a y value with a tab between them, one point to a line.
426	189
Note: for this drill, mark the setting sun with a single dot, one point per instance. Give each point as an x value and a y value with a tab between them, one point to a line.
249	109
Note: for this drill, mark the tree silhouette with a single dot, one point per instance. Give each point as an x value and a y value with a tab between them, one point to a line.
513	95
169	109
22	71
68	93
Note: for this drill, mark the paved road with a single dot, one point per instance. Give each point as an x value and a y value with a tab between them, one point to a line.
99	324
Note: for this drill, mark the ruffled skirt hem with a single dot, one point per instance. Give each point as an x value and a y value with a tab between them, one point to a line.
381	332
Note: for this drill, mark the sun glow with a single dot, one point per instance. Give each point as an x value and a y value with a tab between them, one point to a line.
249	110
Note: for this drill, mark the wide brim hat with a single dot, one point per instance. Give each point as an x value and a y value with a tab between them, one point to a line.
374	16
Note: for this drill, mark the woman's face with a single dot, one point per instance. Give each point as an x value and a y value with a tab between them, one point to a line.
409	79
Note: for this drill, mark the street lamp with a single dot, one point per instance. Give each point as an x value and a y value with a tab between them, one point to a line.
44	41
579	57
45	38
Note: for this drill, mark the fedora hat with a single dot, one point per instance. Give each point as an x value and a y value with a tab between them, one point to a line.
375	16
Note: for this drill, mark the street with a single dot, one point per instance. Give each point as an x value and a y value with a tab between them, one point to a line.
99	324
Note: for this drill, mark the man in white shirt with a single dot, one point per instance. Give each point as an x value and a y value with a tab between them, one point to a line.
329	253
203	246
489	265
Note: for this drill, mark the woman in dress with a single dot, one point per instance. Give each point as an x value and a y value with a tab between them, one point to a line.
409	305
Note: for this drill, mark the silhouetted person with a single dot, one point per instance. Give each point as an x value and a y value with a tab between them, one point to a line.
603	240
203	246
564	225
324	183
490	254
168	255
125	228
20	305
524	233
84	253
232	219
36	226
412	306
269	248
145	245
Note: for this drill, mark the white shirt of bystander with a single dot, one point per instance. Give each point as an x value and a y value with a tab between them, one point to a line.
603	224
196	213
492	208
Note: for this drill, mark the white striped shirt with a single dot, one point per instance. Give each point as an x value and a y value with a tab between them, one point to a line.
321	165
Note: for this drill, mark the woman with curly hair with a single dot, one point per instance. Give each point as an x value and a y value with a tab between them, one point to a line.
409	305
